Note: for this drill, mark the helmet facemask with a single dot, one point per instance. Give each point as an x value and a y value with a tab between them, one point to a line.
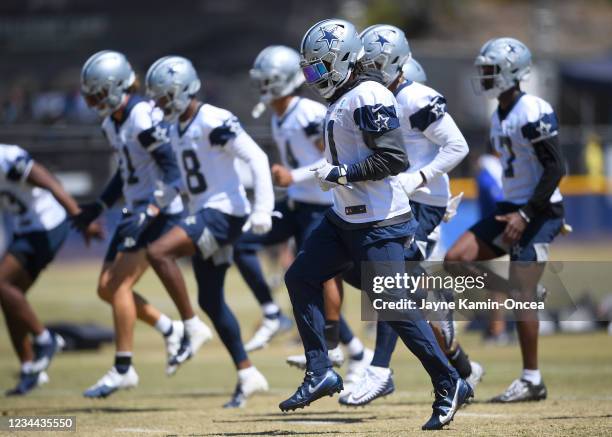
320	74
389	69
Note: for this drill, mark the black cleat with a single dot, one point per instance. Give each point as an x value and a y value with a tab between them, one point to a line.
314	387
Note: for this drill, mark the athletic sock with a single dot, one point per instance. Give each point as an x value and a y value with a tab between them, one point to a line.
533	376
164	325
355	349
460	362
43	338
123	361
27	367
381	372
191	324
270	310
245	373
332	333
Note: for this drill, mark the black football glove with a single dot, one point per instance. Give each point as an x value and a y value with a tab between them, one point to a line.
89	213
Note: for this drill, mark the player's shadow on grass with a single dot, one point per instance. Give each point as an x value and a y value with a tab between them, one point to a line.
275	432
112	410
601	416
301	419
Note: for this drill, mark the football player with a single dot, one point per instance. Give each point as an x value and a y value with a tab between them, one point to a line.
146	163
524	131
370	220
435	146
297	129
206	141
39	208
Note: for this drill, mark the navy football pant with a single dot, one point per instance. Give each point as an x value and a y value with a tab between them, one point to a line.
328	252
210	279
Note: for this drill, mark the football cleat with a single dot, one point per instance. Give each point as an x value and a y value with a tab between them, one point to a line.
446	405
28	381
248	385
192	341
173	343
356	369
268	329
111	382
335	356
522	391
44	353
313	387
374	382
476	375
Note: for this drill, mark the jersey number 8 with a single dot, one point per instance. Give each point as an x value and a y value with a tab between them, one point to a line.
194	178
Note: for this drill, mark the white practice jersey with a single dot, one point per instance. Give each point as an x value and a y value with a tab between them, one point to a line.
139	171
296	134
368	107
530	120
433	142
32	208
206	149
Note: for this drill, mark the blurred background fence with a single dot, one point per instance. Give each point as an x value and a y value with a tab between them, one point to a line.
43	44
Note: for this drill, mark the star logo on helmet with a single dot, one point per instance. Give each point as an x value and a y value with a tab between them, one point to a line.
172	71
544	128
381	40
511	48
328	36
381	121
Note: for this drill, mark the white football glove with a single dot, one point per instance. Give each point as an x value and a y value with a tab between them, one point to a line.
330	176
259	222
164	195
411	182
451	207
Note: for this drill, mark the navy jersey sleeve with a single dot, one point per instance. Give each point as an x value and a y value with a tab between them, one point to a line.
376	119
428	114
227	131
113	190
546	126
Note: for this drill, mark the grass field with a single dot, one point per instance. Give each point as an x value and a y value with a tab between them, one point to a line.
577	370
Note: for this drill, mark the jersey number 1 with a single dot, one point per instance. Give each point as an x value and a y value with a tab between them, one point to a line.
195	180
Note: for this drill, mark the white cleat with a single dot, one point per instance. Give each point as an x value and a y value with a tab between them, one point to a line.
268	329
249	384
173	343
193	339
356	369
111	382
476	375
375	382
335	356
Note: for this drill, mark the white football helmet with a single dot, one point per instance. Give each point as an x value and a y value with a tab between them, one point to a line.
105	77
276	72
172	82
414	71
386	49
501	64
329	51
